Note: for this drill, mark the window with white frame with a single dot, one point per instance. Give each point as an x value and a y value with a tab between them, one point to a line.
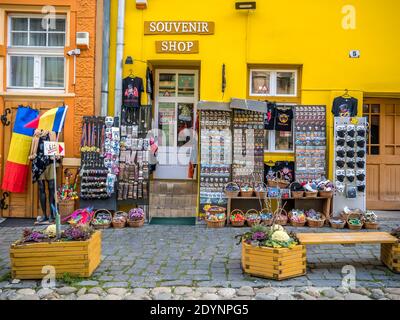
266	83
35	54
279	141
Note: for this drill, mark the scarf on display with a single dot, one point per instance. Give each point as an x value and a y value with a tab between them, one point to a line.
39	161
17	165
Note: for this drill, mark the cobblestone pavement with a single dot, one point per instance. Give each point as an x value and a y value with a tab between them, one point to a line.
194	256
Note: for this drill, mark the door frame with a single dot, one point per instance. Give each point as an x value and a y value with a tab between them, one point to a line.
176	100
381	159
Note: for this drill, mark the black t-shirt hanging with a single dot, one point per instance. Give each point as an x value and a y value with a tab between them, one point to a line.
283	119
269	118
344	107
132	89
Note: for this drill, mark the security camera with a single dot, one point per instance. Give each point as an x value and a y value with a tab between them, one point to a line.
75	52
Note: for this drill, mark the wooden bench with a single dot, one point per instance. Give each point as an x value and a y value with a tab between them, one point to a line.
390	247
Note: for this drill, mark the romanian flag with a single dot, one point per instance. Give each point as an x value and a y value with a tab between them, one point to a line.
17	165
51	120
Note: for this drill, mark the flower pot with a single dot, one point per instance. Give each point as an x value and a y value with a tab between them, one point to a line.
77	258
274	263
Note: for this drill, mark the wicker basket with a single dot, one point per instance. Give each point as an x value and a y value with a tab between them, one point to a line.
65	208
371	225
251	223
261	194
311	194
246	194
325	194
297	194
295	223
216	210
267	222
282	218
278	182
104	225
237	223
232	194
353	226
315	223
119	224
135	223
215	224
345	215
337	225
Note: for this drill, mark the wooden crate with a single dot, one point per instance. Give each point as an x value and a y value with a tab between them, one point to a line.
77	258
390	256
274	263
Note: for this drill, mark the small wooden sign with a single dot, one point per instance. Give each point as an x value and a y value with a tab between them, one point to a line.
176	46
178	27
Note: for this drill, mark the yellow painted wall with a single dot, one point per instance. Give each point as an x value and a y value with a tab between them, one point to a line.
307	33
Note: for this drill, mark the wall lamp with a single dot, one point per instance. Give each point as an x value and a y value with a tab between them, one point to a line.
130	60
248	5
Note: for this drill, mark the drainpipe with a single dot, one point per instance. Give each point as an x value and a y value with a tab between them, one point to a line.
105	58
119	58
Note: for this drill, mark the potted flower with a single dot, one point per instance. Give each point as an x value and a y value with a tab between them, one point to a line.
136	218
272	252
77	251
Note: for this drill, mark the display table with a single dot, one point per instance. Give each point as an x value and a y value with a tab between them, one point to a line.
325	204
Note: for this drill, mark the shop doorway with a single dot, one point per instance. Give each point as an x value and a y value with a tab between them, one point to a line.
176	97
383	153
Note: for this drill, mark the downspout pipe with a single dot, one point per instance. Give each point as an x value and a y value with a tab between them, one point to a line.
119	58
105	58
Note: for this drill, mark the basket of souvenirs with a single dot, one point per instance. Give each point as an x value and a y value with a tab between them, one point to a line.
311	190
119	219
296	190
370	220
315	219
246	190
135	218
347	211
266	217
355	221
216	220
261	190
252	217
66	196
277	181
232	189
297	218
80	217
326	189
281	217
337	223
101	219
237	218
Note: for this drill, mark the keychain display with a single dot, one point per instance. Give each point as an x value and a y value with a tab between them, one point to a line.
133	182
350	162
99	158
215	156
310	143
248	146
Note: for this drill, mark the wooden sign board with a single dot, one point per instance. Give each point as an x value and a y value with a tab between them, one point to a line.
175	46
178	27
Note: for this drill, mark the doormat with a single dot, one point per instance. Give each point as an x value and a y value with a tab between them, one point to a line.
17	222
174	221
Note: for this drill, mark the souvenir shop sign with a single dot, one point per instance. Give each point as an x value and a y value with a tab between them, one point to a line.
179	27
177	46
52	148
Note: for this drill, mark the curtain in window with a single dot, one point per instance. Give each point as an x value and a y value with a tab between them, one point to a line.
21	71
53	72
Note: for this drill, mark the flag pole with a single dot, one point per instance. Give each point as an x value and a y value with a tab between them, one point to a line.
58	222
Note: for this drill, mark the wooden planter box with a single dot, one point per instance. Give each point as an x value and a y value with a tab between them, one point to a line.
274	263
390	256
77	258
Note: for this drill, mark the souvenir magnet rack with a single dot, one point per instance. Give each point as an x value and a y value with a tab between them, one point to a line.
349	165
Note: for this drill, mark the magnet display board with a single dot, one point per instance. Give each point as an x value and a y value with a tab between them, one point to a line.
349	165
